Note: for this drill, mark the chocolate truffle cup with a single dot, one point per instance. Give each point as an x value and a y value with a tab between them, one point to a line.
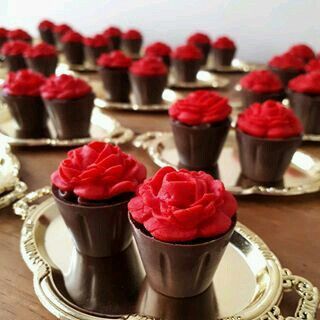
222	57
131	46
71	117
114	43
205	49
265	160
15	63
286	75
93	53
47	36
166	60
173	269
29	114
74	52
186	70
97	229
116	83
147	90
199	146
307	109
45	65
3	41
249	97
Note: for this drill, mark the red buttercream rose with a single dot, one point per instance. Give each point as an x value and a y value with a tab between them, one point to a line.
270	119
97	41
223	43
308	83
302	51
313	65
287	61
149	66
179	206
3	33
72	36
112	32
40	50
98	171
19	34
132	34
158	49
23	83
61	29
64	87
13	48
198	38
261	81
46	25
187	52
200	107
115	59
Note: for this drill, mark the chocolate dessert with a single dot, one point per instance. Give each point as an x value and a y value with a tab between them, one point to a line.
73	48
94	47
302	51
46	31
3	36
223	51
131	42
159	49
113	34
201	41
59	31
13	55
20	35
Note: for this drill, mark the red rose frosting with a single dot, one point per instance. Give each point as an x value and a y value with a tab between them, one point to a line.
261	81
64	87
180	206
46	25
61	29
23	83
302	51
40	50
3	33
115	59
187	52
158	49
112	32
313	65
72	36
200	107
132	34
13	48
287	61
308	83
97	41
223	43
98	171
149	66
19	34
198	38
270	119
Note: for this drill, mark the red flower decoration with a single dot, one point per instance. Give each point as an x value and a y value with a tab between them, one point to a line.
13	48
308	83
158	49
97	41
187	52
313	65
72	36
302	51
287	61
149	66
198	38
132	34
19	34
223	43
40	50
46	25
115	59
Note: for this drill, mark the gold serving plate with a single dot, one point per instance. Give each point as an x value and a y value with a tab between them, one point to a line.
235	67
248	284
302	176
103	128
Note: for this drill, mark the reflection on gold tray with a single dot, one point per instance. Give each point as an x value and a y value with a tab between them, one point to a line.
236	66
103	127
302	176
72	286
65	68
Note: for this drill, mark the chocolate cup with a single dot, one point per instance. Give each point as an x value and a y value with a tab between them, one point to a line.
93	53
166	60
131	46
3	41
265	160
199	146
47	36
29	114
105	285
286	75
116	83
114	43
45	65
205	49
98	230
147	90
176	269
185	70
307	109
222	57
74	52
15	63
71	117
249	97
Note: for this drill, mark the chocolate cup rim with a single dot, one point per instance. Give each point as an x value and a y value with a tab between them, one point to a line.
4	94
282	91
42	56
234	220
291	70
308	95
77	205
90	94
114	68
299	137
198	126
179	59
132	74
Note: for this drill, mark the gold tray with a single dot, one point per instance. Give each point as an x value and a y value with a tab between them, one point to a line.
48	251
103	127
302	176
235	67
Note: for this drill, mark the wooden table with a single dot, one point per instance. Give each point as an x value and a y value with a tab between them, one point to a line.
289	225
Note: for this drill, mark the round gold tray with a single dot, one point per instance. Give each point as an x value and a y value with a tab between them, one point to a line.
248	284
